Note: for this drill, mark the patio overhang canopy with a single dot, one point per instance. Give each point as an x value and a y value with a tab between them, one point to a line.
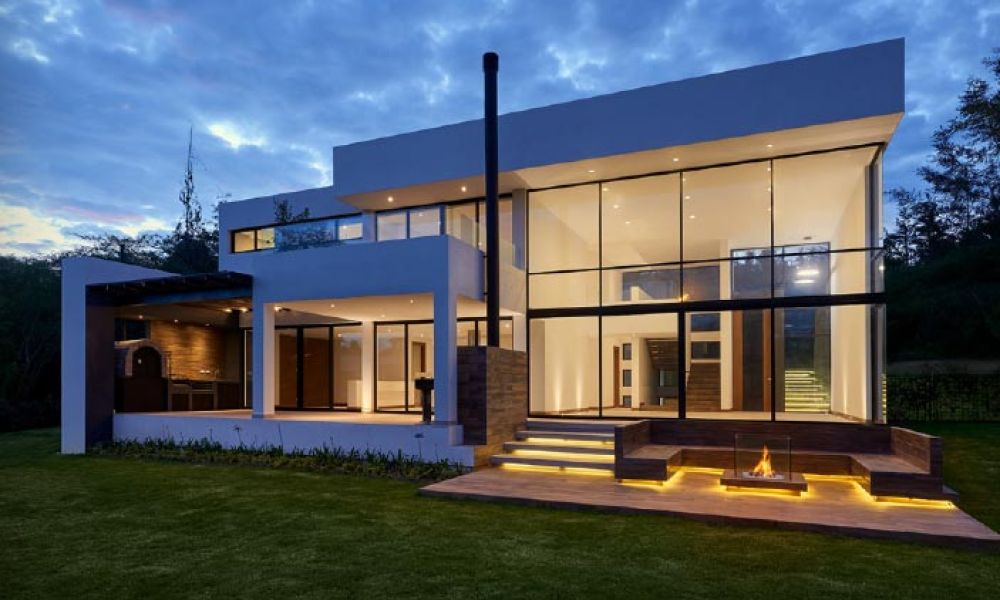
167	290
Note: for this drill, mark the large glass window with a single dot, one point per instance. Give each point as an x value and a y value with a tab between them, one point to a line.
640	366
554	290
802	352
390	385
821	199
563	229
391	225
564	366
425	221
725	209
728	365
640	221
633	285
347	361
421	359
461	222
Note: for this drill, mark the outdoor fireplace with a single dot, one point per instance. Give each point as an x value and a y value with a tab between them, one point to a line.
763	462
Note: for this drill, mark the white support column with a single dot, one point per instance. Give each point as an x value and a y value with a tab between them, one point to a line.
520	324
263	360
368	367
445	356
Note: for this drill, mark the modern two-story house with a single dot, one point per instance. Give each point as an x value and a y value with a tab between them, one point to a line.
706	250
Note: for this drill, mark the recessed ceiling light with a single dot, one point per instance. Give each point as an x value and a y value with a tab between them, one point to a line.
382	316
411	300
277	308
807	273
141	317
769	169
605	189
506	325
614	206
391	199
770	145
687	197
803	281
591	171
464	188
207	325
628	222
176	321
333	306
676	159
691	217
244	309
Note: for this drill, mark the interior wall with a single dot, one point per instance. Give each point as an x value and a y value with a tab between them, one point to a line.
849	357
564	365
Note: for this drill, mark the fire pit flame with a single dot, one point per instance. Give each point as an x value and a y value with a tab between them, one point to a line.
763	467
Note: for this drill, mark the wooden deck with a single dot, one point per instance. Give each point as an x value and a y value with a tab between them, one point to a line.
832	505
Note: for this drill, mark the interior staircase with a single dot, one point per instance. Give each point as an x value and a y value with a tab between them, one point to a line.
804	393
561	445
704	391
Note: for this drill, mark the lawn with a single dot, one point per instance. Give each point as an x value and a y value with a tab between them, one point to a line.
111	527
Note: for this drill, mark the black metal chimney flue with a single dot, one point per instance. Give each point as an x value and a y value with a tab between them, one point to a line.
491	64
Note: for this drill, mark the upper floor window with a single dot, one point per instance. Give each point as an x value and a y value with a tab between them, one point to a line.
304	234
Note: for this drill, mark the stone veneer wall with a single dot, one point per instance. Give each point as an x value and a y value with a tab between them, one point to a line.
192	349
492	397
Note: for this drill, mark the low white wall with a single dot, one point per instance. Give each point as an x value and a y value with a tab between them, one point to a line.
427	442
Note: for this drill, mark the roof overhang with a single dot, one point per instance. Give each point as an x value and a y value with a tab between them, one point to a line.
174	289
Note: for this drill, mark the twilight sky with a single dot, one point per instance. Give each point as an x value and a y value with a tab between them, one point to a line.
96	97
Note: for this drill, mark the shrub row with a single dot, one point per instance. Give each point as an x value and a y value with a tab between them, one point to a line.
943	397
332	460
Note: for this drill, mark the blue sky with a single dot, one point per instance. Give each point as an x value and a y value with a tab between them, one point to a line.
96	97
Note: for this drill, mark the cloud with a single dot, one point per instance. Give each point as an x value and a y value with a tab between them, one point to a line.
26	49
234	136
98	97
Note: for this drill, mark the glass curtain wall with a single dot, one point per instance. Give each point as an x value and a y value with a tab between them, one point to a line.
782	231
347	367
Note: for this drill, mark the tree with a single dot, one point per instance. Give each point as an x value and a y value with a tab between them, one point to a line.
943	258
29	343
192	248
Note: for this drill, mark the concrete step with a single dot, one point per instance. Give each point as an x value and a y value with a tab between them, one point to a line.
561	463
558	448
569	425
590	436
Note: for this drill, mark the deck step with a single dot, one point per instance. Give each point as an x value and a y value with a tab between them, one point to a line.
532	461
560	448
566	435
570	425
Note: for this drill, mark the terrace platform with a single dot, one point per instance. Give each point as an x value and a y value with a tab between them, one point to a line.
836	505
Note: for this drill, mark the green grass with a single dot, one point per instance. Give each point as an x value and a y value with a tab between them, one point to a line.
110	527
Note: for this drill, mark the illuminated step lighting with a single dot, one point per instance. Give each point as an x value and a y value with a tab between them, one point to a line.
567	442
921	502
556	469
563	455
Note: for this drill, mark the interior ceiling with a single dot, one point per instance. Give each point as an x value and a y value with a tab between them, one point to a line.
216	313
410	307
777	143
